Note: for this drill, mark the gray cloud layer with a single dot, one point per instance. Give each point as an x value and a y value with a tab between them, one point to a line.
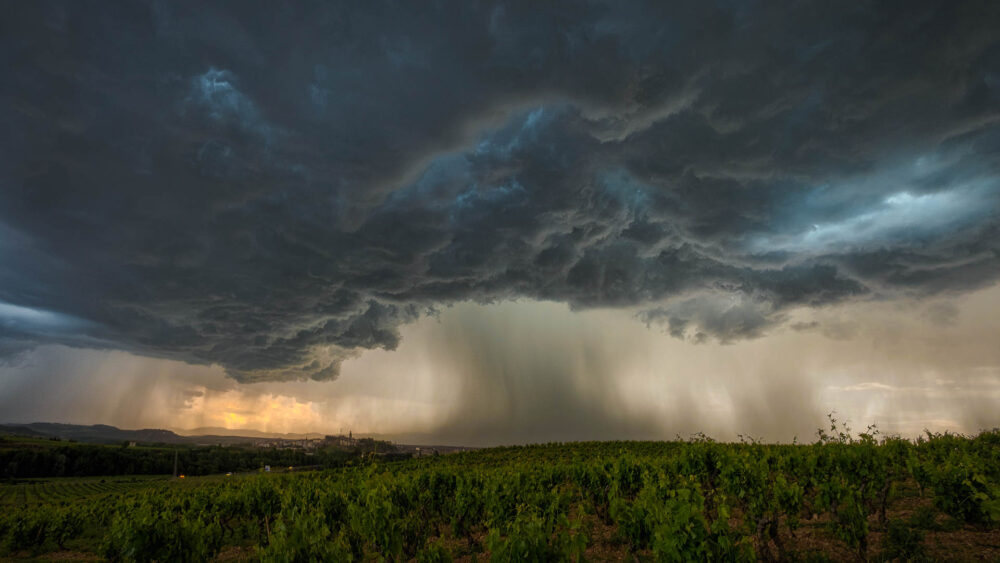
274	188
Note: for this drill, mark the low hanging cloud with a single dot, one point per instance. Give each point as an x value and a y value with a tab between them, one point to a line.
187	182
527	371
727	317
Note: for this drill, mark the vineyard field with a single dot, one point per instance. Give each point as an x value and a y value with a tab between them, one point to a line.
855	498
71	489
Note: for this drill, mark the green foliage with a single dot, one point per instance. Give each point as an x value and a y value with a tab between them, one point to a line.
19	460
67	523
667	501
925	518
28	529
375	519
534	537
434	552
903	542
303	535
144	532
962	488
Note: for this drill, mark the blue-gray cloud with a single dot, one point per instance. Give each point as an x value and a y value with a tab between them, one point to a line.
275	188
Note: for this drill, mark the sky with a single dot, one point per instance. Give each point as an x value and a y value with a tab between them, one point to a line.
498	222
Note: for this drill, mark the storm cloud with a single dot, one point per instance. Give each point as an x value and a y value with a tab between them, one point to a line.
274	188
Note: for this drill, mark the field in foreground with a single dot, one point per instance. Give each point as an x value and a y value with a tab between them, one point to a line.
842	498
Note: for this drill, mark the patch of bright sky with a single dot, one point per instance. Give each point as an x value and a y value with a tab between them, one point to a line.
216	92
917	201
448	179
28	320
900	218
520	129
623	187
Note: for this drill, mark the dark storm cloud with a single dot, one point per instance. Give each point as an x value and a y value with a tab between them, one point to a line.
273	188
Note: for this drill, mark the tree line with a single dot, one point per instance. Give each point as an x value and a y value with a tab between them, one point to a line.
18	461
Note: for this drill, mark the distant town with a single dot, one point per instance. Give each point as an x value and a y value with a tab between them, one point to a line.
304	443
350	442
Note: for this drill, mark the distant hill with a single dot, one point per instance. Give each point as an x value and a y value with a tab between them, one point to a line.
21	430
97	433
104	434
246	433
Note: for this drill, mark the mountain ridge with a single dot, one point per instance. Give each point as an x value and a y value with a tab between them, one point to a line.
107	434
246	433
